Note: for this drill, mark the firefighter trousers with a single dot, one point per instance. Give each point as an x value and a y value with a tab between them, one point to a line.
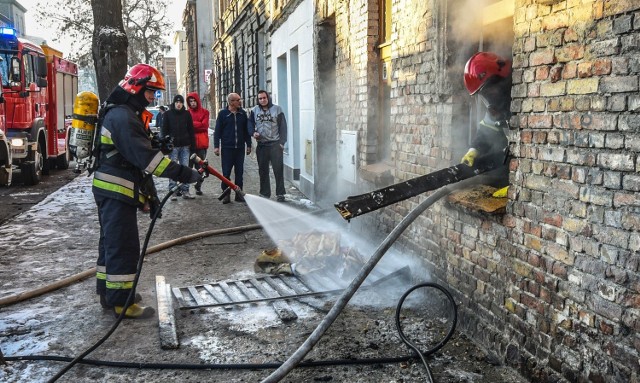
118	249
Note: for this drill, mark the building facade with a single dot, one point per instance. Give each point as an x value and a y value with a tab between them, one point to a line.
548	281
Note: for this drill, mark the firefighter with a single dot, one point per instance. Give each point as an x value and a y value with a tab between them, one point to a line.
125	161
488	76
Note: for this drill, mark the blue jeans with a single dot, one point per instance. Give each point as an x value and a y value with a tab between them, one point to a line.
180	155
232	159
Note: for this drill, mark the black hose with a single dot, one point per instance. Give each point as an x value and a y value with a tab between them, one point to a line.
258	366
129	298
439	345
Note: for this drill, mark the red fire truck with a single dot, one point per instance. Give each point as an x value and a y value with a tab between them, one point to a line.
36	104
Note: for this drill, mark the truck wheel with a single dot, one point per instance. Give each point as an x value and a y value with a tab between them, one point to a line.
31	172
62	161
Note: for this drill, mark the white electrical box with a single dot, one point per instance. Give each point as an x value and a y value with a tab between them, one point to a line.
347	155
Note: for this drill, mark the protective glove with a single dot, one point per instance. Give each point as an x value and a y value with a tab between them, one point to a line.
195	177
501	193
470	157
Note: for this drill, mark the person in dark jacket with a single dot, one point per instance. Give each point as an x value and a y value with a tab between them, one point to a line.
178	125
125	163
268	126
161	110
230	137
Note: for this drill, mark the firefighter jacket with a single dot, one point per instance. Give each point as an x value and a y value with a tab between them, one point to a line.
126	156
270	123
200	117
490	136
231	130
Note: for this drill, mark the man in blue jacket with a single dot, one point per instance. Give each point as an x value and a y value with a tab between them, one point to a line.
268	126
230	138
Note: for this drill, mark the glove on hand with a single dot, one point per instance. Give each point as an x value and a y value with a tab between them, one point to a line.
501	193
470	157
195	177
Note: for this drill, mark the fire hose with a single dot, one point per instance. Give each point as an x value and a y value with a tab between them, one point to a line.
205	170
348	293
23	296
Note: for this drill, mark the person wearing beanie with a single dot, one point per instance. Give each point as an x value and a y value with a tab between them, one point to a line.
124	165
178	125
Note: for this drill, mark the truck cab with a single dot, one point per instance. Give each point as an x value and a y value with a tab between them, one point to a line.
38	88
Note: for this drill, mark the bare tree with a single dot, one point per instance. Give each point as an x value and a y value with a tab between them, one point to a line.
143	23
109	44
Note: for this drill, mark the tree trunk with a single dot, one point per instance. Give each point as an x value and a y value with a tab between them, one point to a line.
109	45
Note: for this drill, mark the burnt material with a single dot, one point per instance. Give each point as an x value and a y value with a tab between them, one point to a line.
354	206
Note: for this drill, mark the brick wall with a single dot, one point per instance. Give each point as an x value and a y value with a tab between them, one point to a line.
552	286
575	208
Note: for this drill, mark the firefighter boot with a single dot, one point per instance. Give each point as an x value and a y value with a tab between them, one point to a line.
135	311
106	306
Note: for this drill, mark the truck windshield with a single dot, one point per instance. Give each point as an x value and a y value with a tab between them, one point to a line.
4	67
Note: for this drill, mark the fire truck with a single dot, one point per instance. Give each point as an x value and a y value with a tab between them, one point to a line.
36	104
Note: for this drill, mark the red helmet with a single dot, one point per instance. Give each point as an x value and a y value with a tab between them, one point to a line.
142	76
483	66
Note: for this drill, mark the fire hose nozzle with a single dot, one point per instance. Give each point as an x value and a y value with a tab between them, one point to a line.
203	163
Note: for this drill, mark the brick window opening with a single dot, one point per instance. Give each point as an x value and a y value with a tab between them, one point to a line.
496	36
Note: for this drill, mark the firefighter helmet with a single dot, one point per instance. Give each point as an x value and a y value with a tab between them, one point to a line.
141	76
482	67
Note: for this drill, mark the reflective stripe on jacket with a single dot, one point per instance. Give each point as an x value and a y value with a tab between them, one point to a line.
126	155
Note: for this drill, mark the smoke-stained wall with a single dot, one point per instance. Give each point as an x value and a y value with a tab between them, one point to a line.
551	286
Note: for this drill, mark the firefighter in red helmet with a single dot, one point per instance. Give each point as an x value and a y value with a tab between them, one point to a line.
125	163
488	76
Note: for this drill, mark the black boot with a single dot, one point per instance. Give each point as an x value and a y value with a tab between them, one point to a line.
227	199
239	197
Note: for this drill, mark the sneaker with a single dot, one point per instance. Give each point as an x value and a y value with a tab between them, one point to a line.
106	306
187	195
179	193
135	311
174	197
239	198
198	192
281	198
226	199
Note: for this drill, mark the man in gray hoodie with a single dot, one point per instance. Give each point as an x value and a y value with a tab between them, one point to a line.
268	126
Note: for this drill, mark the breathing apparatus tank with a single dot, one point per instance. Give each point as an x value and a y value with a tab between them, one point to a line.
83	125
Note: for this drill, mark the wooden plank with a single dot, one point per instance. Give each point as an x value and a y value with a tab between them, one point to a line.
217	296
295	284
178	294
166	317
245	290
233	297
196	295
283	289
283	310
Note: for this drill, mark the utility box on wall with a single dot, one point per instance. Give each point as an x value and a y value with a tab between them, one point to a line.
347	155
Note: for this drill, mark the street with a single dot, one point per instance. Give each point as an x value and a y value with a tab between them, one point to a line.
58	238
